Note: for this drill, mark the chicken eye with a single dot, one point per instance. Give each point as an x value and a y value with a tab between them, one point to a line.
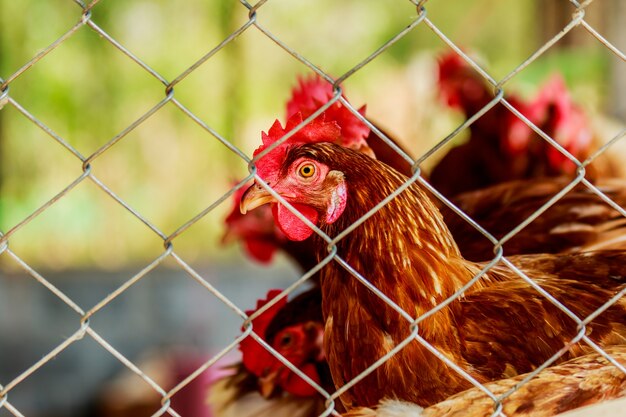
285	340
307	170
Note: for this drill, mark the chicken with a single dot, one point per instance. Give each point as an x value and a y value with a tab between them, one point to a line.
579	382
500	327
257	231
501	146
263	384
483	159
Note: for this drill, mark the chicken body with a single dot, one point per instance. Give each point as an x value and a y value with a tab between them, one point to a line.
582	381
500	327
578	221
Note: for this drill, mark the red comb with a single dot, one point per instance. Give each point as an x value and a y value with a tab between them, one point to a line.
450	64
553	111
311	94
254	356
316	131
564	121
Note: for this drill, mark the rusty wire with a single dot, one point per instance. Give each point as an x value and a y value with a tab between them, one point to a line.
85	21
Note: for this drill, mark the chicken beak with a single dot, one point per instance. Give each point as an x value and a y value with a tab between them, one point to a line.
267	384
254	197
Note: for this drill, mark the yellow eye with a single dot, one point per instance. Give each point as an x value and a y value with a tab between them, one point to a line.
306	170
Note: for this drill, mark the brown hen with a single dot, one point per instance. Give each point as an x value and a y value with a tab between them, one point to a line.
500	327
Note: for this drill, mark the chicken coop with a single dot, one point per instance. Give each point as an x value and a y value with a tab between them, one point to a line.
133	135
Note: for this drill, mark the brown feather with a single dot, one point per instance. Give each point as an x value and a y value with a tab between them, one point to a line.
579	221
582	381
500	326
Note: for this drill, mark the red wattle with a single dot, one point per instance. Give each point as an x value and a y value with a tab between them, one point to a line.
298	386
292	226
262	251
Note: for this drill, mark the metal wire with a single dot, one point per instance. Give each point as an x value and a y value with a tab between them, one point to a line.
254	12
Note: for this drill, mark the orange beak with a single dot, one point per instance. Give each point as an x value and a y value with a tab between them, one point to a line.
267	384
254	197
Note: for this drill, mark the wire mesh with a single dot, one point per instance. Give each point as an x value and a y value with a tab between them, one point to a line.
87	21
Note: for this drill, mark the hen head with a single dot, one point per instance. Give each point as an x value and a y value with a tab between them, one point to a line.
460	86
313	189
260	236
559	117
299	343
554	112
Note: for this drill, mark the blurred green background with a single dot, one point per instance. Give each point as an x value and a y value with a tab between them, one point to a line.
168	168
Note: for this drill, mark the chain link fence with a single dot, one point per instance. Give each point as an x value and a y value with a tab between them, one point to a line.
87	21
